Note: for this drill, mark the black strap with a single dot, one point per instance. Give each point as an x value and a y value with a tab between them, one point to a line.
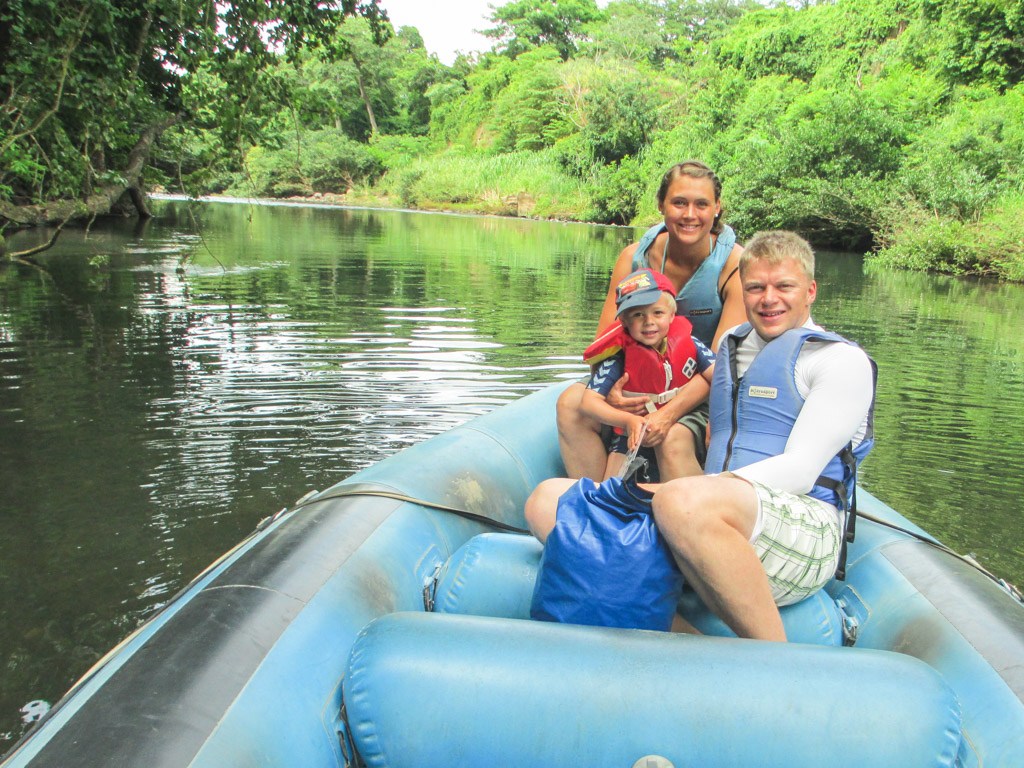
342	493
721	297
847	503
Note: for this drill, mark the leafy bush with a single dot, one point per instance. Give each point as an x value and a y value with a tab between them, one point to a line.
979	41
617	191
575	156
394	152
317	161
960	164
621	112
993	245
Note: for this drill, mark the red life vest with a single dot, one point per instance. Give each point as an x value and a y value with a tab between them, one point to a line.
650	372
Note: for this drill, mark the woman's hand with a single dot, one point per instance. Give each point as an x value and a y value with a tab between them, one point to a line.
635	405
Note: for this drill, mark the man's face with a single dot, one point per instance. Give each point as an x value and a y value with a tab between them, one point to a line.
777	297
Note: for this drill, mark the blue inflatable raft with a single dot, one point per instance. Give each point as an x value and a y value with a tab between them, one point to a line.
371	625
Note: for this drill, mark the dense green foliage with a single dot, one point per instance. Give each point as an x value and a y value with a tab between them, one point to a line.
892	125
82	81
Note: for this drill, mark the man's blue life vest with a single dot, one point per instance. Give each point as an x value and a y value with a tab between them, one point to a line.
752	417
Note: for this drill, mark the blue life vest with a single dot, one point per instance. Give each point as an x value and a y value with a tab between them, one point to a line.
698	300
752	417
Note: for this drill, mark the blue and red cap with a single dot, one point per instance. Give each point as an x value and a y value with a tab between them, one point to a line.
641	288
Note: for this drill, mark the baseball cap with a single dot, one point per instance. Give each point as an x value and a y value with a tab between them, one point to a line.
641	288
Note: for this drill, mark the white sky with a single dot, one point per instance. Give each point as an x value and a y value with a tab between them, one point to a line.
447	26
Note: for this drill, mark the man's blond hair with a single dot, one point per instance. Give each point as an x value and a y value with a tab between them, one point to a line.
777	246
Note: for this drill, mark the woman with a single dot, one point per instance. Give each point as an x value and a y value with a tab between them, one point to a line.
699	255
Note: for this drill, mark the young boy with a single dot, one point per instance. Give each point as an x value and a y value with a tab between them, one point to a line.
662	357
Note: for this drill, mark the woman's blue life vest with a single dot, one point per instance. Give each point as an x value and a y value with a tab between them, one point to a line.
698	300
653	374
752	417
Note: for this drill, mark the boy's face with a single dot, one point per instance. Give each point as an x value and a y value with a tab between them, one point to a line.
649	324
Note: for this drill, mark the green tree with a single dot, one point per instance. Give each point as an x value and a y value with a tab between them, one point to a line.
633	30
525	24
663	31
89	85
527	113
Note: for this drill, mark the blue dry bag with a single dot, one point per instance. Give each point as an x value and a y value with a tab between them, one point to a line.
605	563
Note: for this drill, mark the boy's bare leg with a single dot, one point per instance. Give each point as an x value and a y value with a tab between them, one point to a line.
681	625
677	455
616	461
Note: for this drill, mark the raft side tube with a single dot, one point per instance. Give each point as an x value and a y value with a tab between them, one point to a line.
913	598
439	689
245	665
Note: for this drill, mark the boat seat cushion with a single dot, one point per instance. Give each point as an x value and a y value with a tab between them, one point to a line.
427	689
493	574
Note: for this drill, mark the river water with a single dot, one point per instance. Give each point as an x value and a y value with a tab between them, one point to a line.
164	386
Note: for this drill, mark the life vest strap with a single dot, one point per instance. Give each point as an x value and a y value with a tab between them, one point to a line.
654	399
847	503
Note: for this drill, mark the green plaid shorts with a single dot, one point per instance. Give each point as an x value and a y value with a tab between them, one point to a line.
798	545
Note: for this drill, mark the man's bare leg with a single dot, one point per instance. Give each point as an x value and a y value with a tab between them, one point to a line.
579	438
707	522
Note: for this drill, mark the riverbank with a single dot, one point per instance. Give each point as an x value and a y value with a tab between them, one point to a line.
917	241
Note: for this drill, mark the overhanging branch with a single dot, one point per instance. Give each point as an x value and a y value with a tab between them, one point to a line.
102	200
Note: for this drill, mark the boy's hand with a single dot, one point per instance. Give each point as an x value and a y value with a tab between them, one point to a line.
658	425
634	431
635	405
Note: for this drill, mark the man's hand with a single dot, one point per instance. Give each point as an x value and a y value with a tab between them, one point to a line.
635	405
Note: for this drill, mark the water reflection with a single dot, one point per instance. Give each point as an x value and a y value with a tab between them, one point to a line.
153	408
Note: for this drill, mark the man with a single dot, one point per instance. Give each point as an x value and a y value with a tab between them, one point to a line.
790	418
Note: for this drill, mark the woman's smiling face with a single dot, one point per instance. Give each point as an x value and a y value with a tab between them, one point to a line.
690	208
